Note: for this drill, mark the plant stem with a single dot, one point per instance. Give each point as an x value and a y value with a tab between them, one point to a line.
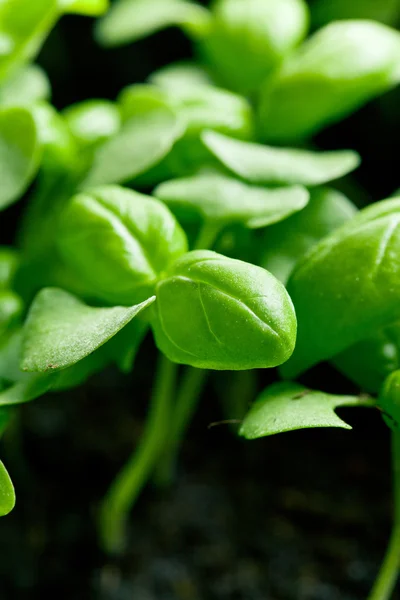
189	393
207	236
135	473
386	580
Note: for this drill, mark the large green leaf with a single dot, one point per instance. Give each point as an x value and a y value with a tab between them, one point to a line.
351	281
61	330
7	493
130	20
289	406
262	164
19	153
340	68
222	199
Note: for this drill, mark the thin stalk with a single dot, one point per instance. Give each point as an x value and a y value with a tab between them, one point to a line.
387	577
207	235
190	390
131	479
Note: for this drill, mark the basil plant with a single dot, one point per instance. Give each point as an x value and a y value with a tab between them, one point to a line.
197	209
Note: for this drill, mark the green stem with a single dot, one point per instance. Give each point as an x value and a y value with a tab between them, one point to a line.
186	403
136	472
207	235
386	580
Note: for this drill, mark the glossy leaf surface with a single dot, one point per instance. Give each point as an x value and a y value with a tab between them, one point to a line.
289	406
219	313
351	280
262	164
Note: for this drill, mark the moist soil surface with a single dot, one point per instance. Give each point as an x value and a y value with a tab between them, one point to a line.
298	516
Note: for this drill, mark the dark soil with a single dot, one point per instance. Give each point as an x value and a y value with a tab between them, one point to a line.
301	516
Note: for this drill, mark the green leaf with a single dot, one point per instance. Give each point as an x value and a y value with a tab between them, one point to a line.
142	98
289	406
140	144
213	312
60	151
93	121
11	307
29	388
61	330
261	164
19	153
340	68
284	244
92	8
131	20
8	264
351	279
249	38
25	87
7	493
180	76
119	242
26	25
218	198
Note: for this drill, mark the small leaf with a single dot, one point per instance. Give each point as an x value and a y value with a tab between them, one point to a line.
248	39
266	164
131	20
93	121
140	144
19	153
7	493
61	330
26	86
219	198
180	76
289	406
